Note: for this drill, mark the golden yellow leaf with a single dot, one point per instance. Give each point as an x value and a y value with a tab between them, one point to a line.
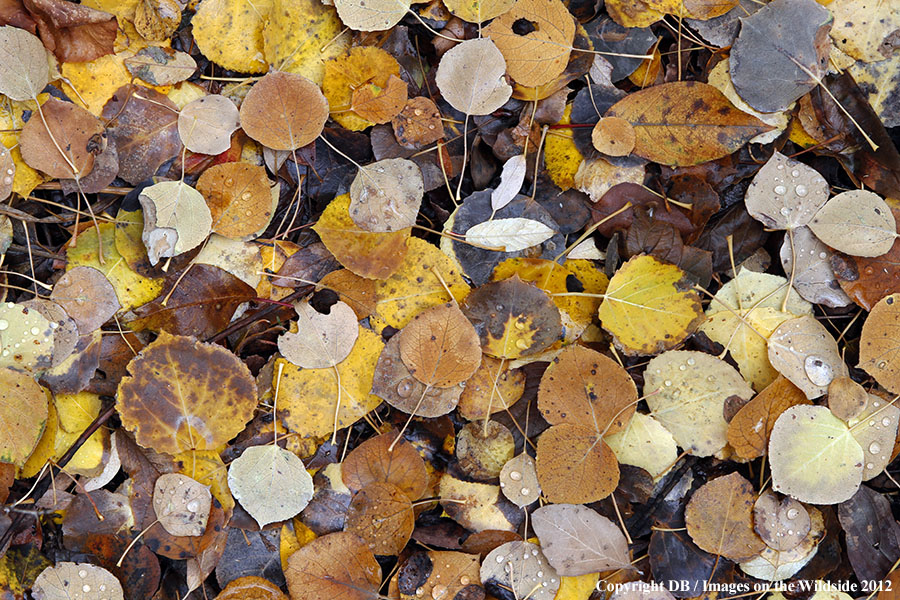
361	65
207	467
561	156
307	398
230	33
478	11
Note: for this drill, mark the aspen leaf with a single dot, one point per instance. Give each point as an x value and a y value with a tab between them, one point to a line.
64	142
284	111
449	575
160	66
483	449
271	483
865	30
803	350
583	387
8	172
879	348
785	193
240	198
613	136
176	219
749	429
720	78
649	306
477	506
374	461
574	465
23	415
418	124
251	587
181	504
510	235
846	398
814	456
230	33
440	347
385	196
371	15
522	568
157	19
645	443
511	179
471	77
686	392
25	71
206	124
478	11
540	55
347	73
858	222
782	524
380	104
26	338
518	480
294	41
82	580
775	565
875	429
513	318
337	565
685	123
321	340
382	515
183	394
492	388
577	540
87	296
367	254
810	261
719	518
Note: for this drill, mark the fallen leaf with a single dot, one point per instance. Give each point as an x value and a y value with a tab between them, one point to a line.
321	340
574	465
23	412
375	461
87	296
782	523
522	568
511	179
68	579
205	125
294	42
382	515
377	104
577	540
371	15
645	443
271	483
814	279
471	77
509	235
25	72
271	113
858	222
181	504
337	565
385	196
176	219
875	429
62	140
785	193
492	388
751	426
26	338
157	19
251	587
518	480
879	353
230	33
73	33
846	398
804	351
478	11
719	518
440	347
349	72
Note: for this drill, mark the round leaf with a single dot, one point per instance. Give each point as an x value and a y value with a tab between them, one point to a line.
374	461
785	193
804	351
271	483
471	77
577	540
371	15
574	465
176	219
522	568
858	222
382	515
719	518
385	196
24	71
879	345
181	504
69	580
337	565
322	340
284	111
440	346
206	124
62	143
87	296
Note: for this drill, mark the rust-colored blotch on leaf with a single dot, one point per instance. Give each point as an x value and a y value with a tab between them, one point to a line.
284	111
185	395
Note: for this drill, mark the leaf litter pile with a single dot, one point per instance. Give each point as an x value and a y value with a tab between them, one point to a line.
460	300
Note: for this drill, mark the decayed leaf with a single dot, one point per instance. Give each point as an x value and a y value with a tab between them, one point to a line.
875	429
337	565
645	443
685	123
87	296
509	235
202	396
858	222
879	346
385	196
804	351
775	565
649	306
814	457
308	398
785	193
271	483
176	219
382	515
418	124
229	33
574	465
440	347
143	123
782	524
494	387
749	429
522	568
321	340
540	55
686	392
371	15
63	142
518	480
865	30
23	414
846	398
181	504
376	461
73	33
26	338
157	19
471	77
206	124
24	72
367	254
284	111
68	580
483	449
583	387
780	53
577	540
814	277
513	318
719	518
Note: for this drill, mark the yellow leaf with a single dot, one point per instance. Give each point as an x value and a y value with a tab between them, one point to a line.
478	11
77	411
132	289
579	587
207	467
304	38
645	443
230	33
561	156
273	254
25	178
415	287
307	398
363	64
649	306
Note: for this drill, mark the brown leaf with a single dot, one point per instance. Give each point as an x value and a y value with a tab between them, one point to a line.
574	465
284	111
73	32
239	197
374	461
185	395
719	518
418	124
144	125
782	523
868	280
749	430
202	303
64	141
440	347
436	574
492	388
879	345
685	123
382	515
87	296
251	587
846	398
337	566
377	104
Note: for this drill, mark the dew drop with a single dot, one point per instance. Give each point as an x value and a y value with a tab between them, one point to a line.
886	421
35	331
82	573
4	324
792	513
874	448
795	173
85	588
823	255
520	325
534	552
870	466
404	388
500	558
521	344
781	167
540	573
667	383
801	190
818	371
193	506
780	189
711	378
682	367
882	364
515	475
438	591
785	211
464	580
525	491
691	361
